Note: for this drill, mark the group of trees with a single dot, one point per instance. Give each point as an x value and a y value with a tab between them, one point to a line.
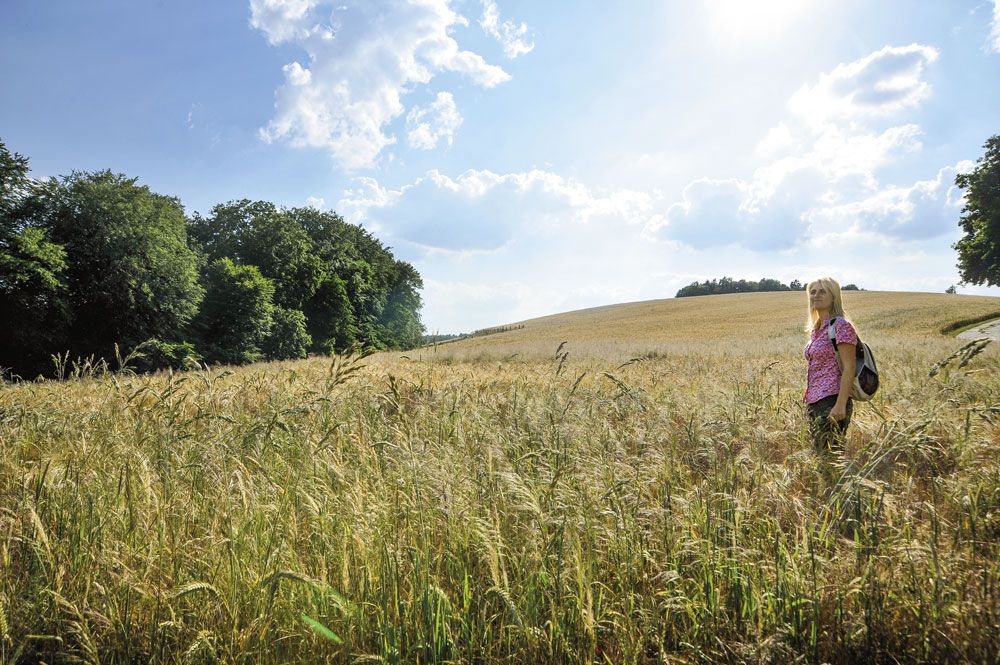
92	260
730	285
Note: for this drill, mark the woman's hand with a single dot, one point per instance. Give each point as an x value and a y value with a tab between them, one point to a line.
839	411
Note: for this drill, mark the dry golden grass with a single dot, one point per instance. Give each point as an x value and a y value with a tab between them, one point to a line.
549	510
635	329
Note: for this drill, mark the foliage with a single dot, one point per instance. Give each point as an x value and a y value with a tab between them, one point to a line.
729	285
400	318
979	248
288	338
330	317
235	318
258	233
33	302
94	261
155	354
13	177
348	285
129	274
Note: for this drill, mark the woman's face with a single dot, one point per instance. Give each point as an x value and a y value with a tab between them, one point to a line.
819	297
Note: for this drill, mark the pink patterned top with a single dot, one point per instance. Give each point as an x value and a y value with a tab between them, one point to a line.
824	373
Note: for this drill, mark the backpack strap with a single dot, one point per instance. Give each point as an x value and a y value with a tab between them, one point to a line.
831	332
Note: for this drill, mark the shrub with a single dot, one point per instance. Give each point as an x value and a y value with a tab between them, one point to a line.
155	354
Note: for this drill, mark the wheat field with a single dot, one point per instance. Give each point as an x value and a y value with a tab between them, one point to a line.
644	493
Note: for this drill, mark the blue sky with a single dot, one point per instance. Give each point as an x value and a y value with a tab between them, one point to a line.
530	158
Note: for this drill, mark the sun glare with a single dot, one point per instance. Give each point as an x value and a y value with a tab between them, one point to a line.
740	21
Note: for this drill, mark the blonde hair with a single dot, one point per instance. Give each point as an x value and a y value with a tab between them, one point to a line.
836	307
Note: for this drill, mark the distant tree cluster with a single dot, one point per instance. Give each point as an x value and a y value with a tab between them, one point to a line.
91	260
729	285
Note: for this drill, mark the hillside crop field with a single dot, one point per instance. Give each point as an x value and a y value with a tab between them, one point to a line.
645	493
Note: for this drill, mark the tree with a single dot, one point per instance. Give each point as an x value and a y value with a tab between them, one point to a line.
288	338
401	315
235	318
728	285
33	303
979	248
130	275
13	177
330	317
259	233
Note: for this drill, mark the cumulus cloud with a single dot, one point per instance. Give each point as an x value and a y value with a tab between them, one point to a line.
879	84
510	35
926	209
484	211
821	167
428	125
364	56
730	212
282	20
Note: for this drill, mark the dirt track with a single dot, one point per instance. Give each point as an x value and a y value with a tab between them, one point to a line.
989	329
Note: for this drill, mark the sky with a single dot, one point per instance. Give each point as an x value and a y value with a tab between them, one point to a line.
530	158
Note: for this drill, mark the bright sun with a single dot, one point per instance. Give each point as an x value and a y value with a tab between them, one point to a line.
751	20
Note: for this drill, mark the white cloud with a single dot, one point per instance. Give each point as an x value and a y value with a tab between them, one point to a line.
994	43
510	36
364	56
429	125
316	202
484	211
822	166
879	84
926	209
195	108
281	20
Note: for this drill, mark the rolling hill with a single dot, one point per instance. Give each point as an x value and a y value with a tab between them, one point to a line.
662	325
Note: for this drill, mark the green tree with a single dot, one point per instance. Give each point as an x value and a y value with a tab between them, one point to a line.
260	234
130	275
979	248
33	303
330	317
288	338
346	283
235	317
13	177
401	314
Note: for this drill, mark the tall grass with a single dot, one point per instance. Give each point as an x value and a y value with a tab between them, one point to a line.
665	508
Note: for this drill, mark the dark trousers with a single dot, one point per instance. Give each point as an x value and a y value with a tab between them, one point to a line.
828	434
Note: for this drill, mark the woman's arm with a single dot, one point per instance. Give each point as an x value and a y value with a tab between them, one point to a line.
848	363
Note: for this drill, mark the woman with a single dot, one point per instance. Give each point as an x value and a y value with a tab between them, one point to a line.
828	389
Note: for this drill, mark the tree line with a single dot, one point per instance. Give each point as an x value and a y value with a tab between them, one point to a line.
729	285
93	264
